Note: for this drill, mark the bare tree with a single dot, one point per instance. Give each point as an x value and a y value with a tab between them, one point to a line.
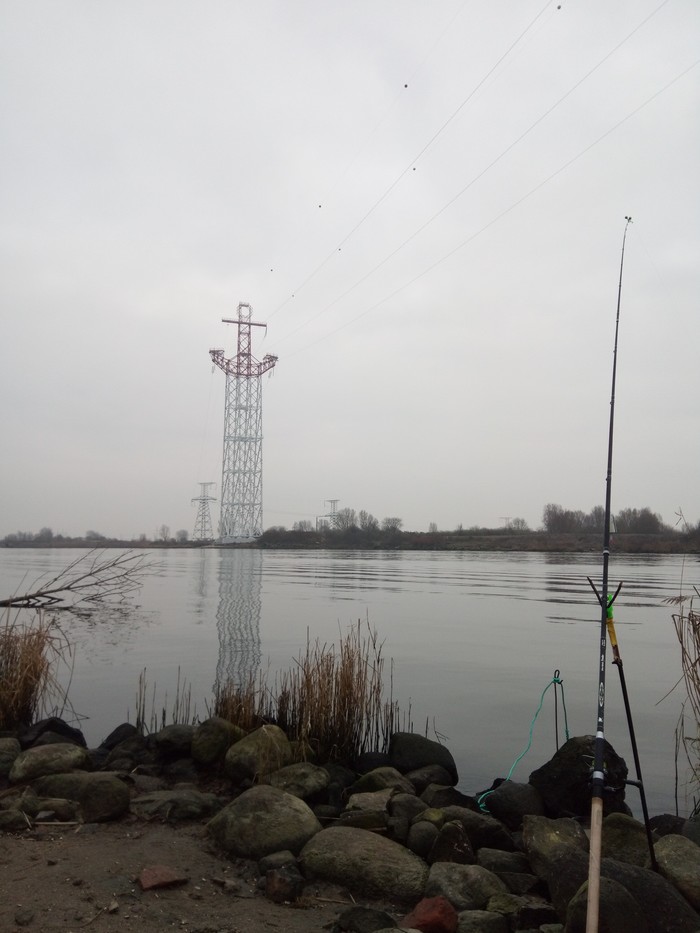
367	521
392	524
164	532
90	578
345	519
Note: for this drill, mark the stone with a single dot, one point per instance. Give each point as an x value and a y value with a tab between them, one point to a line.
664	823
618	912
679	861
558	854
625	839
371	800
409	751
9	750
161	876
284	884
213	738
432	915
666	910
48	759
261	821
303	780
363	920
498	861
452	845
174	741
436	795
365	862
70	734
276	860
13	821
122	732
263	751
421	778
421	837
466	887
176	805
381	779
481	921
510	802
102	796
482	830
691	829
406	805
564	785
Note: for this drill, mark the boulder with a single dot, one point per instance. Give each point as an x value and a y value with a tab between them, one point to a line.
618	912
406	805
421	778
363	920
679	861
9	750
381	779
625	839
122	732
213	738
452	845
666	911
482	830
466	887
263	751
48	759
364	862
261	821
691	829
409	751
102	796
175	805
174	741
54	724
432	915
482	921
558	854
510	802
303	780
564	785
422	835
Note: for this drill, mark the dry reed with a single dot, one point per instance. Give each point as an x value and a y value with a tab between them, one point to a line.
154	721
687	625
331	702
30	654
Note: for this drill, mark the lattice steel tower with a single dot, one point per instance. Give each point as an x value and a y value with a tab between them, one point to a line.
202	523
241	473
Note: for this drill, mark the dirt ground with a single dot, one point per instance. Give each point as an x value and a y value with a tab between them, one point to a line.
73	878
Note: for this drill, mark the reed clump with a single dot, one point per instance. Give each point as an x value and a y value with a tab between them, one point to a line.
30	653
331	701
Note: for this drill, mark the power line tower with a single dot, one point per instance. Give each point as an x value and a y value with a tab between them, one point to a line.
241	472
202	523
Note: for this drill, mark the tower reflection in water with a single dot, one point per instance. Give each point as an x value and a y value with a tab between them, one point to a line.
238	616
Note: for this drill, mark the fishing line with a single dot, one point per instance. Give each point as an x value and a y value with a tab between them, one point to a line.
498	216
474	180
411	164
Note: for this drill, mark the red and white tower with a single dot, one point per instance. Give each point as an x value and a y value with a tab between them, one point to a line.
241	473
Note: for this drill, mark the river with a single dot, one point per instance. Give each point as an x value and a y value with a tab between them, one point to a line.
474	639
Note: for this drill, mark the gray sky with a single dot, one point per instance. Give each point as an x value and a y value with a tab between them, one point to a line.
424	201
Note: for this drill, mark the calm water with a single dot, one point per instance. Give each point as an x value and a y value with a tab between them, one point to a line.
475	639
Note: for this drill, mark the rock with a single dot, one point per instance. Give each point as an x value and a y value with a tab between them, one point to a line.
409	751
452	845
48	759
284	884
368	761
666	911
498	861
123	732
303	780
213	738
373	820
558	854
136	751
466	887
691	829
371	800
679	861
9	750
261	821
175	805
263	751
482	921
174	741
664	823
276	860
406	805
24	916
421	778
523	913
13	821
102	796
618	912
436	795
71	735
66	811
510	802
422	836
625	839
161	876
564	781
365	862
381	779
432	915
482	830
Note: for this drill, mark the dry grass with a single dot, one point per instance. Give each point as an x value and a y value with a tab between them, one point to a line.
30	654
330	701
686	622
155	720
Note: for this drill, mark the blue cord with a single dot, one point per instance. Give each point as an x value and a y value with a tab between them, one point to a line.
554	681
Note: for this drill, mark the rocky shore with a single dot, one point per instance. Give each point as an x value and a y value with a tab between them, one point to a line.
391	826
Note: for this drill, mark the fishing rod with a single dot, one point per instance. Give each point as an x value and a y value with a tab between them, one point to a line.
598	777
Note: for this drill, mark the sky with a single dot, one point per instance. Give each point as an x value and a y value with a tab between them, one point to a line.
424	202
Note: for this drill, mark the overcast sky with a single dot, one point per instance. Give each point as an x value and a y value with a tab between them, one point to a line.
424	201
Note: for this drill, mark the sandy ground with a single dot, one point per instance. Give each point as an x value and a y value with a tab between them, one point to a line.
73	878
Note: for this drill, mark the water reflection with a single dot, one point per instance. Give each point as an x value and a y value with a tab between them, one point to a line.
238	615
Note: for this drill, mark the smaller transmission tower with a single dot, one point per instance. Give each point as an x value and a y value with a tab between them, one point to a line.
202	523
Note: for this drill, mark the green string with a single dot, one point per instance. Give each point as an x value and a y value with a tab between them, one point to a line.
555	680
